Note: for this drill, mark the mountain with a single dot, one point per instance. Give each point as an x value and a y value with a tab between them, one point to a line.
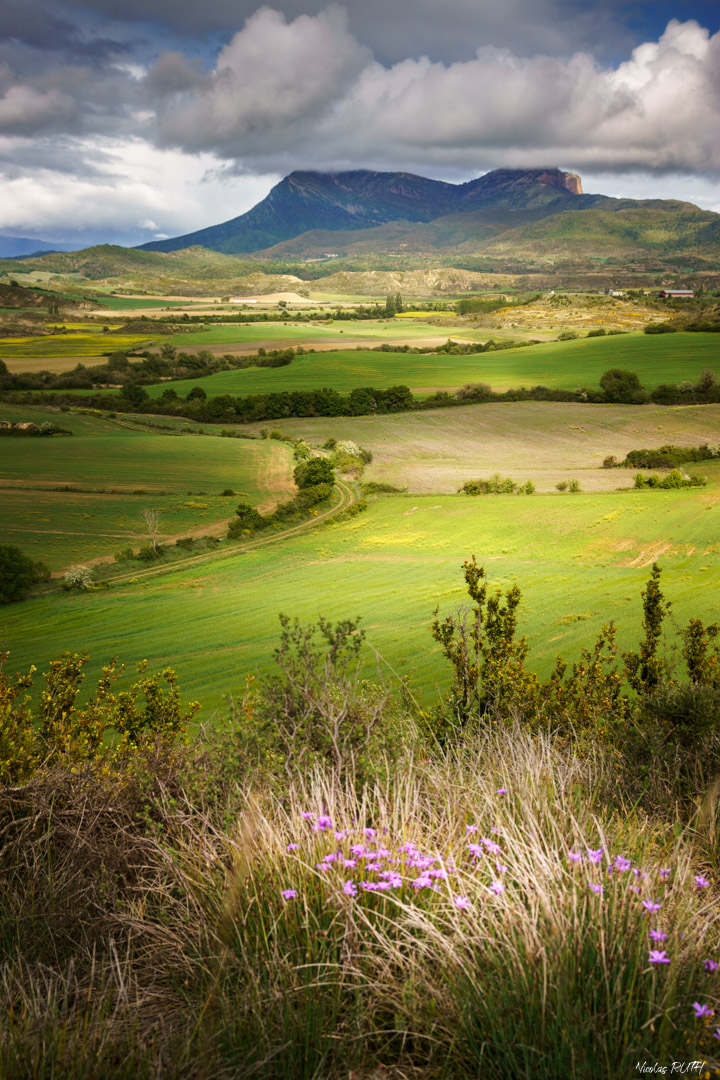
13	247
309	201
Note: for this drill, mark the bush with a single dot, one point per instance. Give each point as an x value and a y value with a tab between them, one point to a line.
227	492
124	554
660	328
247	520
319	711
622	387
315	471
574	486
496	485
148	553
562	485
77	577
18	573
610	462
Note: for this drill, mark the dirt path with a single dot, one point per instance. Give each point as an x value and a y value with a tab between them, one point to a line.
347	496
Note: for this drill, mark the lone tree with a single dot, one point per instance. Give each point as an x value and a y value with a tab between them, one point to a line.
152	522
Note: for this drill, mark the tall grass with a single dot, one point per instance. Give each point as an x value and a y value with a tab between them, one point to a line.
145	932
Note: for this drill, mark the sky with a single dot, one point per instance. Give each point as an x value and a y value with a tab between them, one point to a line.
122	121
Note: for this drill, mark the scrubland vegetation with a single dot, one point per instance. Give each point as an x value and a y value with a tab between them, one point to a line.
399	840
518	879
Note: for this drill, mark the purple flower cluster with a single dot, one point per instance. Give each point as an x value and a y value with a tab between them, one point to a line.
359	862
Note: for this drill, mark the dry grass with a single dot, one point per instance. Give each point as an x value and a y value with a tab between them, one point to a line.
144	932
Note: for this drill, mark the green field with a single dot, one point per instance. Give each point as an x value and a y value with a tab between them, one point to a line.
546	442
566	365
60	352
580	561
138	469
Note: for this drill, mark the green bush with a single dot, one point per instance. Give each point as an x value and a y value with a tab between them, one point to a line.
18	573
315	471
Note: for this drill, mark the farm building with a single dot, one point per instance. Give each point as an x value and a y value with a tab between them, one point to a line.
685	294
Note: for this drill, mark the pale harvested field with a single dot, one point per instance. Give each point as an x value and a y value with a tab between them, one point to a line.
437	451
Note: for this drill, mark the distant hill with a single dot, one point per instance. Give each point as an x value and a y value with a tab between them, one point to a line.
12	247
348	201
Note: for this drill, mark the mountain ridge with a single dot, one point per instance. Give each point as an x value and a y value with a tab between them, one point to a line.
307	201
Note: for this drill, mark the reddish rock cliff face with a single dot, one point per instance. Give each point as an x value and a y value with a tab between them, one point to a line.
573	183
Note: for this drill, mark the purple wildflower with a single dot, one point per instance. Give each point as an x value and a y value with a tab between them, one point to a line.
358	849
369	885
575	856
461	902
340	835
293	847
476	850
621	863
716	1033
322	866
500	868
497	887
658	935
373	867
492	847
288	894
371	832
422	882
470	829
308	815
702	1010
323	823
651	905
350	888
701	882
711	966
349	864
595	855
599	889
664	873
658	956
502	791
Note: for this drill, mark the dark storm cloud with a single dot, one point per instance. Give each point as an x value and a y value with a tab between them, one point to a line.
306	91
448	31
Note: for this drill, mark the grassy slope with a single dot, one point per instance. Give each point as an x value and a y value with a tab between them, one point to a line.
580	561
569	364
437	450
66	527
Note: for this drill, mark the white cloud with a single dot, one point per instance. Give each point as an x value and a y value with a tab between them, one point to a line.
280	87
137	189
270	75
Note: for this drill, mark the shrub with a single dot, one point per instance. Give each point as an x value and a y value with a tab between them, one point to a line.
495	485
610	462
18	573
318	710
227	492
621	386
574	486
562	485
78	577
315	471
600	332
124	554
247	520
186	543
148	553
660	328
